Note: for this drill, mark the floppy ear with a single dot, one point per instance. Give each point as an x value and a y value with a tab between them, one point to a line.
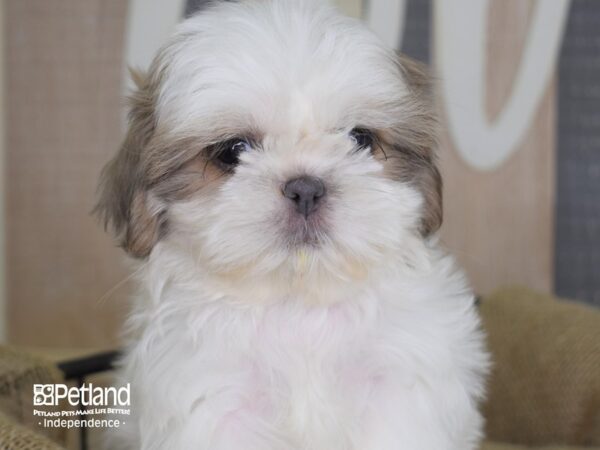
125	202
421	141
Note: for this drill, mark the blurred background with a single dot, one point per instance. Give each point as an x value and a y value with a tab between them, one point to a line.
519	100
518	95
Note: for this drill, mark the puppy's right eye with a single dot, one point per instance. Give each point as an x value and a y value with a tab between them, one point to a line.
228	152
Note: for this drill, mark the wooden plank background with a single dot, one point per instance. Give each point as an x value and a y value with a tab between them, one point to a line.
63	97
500	223
63	90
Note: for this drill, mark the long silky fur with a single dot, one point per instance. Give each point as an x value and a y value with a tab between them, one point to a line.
254	328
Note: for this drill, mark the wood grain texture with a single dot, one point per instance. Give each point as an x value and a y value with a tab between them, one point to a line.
499	223
508	24
63	99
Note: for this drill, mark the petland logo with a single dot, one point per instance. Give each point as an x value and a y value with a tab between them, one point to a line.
84	395
107	402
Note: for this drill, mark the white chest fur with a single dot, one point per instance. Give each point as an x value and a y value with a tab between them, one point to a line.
399	366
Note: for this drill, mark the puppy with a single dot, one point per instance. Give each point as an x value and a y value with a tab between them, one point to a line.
278	184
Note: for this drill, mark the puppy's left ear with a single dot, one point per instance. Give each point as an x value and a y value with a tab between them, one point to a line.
419	142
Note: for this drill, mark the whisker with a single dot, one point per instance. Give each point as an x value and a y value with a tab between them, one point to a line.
117	286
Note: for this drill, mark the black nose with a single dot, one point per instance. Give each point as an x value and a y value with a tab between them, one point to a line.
305	192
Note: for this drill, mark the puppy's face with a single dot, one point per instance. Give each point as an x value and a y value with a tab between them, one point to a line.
272	138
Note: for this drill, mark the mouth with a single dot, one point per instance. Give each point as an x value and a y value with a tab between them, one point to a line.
306	231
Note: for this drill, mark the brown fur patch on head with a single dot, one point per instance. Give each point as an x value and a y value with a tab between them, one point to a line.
150	170
408	150
123	199
194	173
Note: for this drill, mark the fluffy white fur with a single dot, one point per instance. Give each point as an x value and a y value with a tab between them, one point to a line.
240	339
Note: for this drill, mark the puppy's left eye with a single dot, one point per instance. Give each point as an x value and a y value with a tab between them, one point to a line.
362	138
228	152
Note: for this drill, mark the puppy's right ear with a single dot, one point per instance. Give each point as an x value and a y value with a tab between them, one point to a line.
421	142
125	202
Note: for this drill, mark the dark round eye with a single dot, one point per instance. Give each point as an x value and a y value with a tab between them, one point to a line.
228	152
362	138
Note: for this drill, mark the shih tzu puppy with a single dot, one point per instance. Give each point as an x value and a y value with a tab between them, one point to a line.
279	185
